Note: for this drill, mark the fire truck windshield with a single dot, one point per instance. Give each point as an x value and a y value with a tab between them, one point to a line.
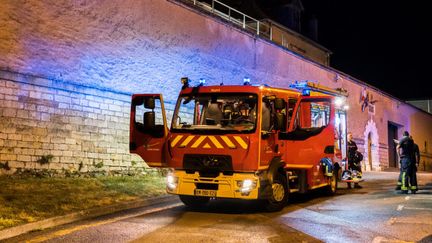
221	112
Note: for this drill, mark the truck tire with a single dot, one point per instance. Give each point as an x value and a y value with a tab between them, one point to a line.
332	188
279	195
194	202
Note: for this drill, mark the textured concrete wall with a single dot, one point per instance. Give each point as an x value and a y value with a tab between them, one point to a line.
146	46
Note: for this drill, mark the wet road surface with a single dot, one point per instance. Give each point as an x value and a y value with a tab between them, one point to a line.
375	213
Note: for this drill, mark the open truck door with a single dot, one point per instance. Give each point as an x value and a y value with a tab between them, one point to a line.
148	129
311	117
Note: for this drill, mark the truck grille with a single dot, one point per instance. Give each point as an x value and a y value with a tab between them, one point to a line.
207	165
206	186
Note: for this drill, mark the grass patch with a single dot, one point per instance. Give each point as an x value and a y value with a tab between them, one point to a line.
25	200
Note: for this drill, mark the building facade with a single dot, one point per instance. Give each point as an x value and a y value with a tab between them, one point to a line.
425	105
68	70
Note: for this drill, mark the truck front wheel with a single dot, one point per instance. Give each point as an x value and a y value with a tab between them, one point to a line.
332	187
279	195
194	202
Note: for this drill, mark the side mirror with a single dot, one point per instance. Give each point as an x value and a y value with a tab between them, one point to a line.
149	120
149	103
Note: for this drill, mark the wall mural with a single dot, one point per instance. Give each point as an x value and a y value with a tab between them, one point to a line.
366	100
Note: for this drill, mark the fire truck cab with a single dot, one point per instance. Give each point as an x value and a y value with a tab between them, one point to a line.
244	142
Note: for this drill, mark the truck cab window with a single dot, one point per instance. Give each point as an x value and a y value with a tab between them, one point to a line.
148	115
227	112
185	116
314	114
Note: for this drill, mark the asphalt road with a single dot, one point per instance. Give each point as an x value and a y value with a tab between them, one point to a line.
375	213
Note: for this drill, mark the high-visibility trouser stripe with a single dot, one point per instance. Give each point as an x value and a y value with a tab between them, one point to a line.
404	187
228	142
186	141
241	142
198	142
215	142
176	140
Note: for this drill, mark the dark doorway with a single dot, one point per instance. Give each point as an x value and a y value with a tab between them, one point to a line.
392	134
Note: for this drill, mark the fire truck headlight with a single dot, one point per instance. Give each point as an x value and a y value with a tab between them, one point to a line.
247	185
172	182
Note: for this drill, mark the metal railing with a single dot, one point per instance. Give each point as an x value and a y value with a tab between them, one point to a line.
265	28
232	15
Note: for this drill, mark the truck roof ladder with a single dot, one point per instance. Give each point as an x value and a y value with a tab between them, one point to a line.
311	86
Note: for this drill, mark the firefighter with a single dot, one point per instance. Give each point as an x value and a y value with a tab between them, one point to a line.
405	149
353	158
414	165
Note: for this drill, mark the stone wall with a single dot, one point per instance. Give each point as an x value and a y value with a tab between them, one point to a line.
46	124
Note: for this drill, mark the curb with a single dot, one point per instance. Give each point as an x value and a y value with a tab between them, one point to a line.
81	215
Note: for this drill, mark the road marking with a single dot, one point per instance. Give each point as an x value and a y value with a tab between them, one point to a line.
407	198
400	207
410	208
85	226
407	221
421	198
380	239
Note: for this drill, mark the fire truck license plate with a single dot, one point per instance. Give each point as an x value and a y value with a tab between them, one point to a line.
205	193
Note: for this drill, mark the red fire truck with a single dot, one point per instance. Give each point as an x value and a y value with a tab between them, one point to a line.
244	141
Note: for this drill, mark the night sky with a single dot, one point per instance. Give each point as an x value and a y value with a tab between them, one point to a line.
384	43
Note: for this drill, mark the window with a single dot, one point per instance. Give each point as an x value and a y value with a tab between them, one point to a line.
148	117
313	114
140	111
222	111
320	114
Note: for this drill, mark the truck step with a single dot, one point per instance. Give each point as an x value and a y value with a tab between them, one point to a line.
292	177
293	190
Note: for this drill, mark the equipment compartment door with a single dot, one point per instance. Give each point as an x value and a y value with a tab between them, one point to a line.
341	134
148	128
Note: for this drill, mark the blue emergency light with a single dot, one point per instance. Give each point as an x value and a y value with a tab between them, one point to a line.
246	81
201	82
303	86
